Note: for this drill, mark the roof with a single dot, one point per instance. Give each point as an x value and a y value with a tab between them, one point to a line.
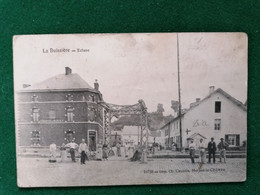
155	133
196	134
219	90
130	130
60	82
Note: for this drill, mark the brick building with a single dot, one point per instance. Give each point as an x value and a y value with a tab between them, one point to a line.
59	109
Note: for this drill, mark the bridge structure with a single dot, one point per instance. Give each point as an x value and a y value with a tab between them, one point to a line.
113	110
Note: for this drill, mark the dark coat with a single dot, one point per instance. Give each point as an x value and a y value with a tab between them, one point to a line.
212	147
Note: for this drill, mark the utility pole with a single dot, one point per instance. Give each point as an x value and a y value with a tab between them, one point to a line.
179	90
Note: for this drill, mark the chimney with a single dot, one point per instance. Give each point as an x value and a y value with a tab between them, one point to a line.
96	85
68	71
211	89
197	99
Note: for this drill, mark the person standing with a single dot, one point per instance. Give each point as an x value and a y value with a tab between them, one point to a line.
105	152
202	150
192	146
212	150
118	149
53	152
72	146
83	149
131	149
222	147
99	153
126	150
63	153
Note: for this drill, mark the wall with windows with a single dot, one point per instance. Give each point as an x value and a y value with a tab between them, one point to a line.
43	117
61	111
216	117
57	133
58	96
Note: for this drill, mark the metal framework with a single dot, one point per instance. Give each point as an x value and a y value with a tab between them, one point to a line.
113	110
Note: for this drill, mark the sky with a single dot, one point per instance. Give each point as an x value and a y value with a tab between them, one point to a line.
130	67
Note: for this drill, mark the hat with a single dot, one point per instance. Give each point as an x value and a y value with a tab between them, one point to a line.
221	138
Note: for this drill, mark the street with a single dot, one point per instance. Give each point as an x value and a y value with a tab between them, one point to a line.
120	171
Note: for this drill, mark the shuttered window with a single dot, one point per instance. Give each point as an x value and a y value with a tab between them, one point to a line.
217	107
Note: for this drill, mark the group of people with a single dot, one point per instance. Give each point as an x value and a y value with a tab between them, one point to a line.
82	148
127	148
211	147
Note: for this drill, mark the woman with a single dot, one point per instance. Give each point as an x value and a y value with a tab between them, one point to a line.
131	150
99	153
53	153
126	150
63	153
105	152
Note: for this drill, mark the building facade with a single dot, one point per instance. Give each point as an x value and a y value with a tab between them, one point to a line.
60	109
218	115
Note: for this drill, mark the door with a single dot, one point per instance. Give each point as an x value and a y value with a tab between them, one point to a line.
92	140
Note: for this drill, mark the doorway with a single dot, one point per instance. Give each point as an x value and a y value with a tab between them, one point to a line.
92	140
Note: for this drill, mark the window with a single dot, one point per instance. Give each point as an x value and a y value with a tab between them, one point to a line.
166	132
233	139
35	114
35	138
70	114
92	98
92	114
52	114
217	107
217	124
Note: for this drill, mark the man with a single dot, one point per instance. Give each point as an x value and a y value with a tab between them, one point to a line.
118	149
192	146
222	146
72	146
83	149
212	150
202	148
173	146
153	147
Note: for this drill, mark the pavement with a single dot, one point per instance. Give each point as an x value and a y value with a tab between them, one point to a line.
34	172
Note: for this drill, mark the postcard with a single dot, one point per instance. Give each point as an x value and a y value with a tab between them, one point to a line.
130	109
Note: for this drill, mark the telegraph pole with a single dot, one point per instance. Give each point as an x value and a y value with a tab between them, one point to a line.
179	90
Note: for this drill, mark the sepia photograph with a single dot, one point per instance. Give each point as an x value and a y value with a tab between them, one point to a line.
130	109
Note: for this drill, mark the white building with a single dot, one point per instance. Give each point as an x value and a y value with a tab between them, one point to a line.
132	135
218	115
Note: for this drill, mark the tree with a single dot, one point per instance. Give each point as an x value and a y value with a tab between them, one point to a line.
175	105
160	109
